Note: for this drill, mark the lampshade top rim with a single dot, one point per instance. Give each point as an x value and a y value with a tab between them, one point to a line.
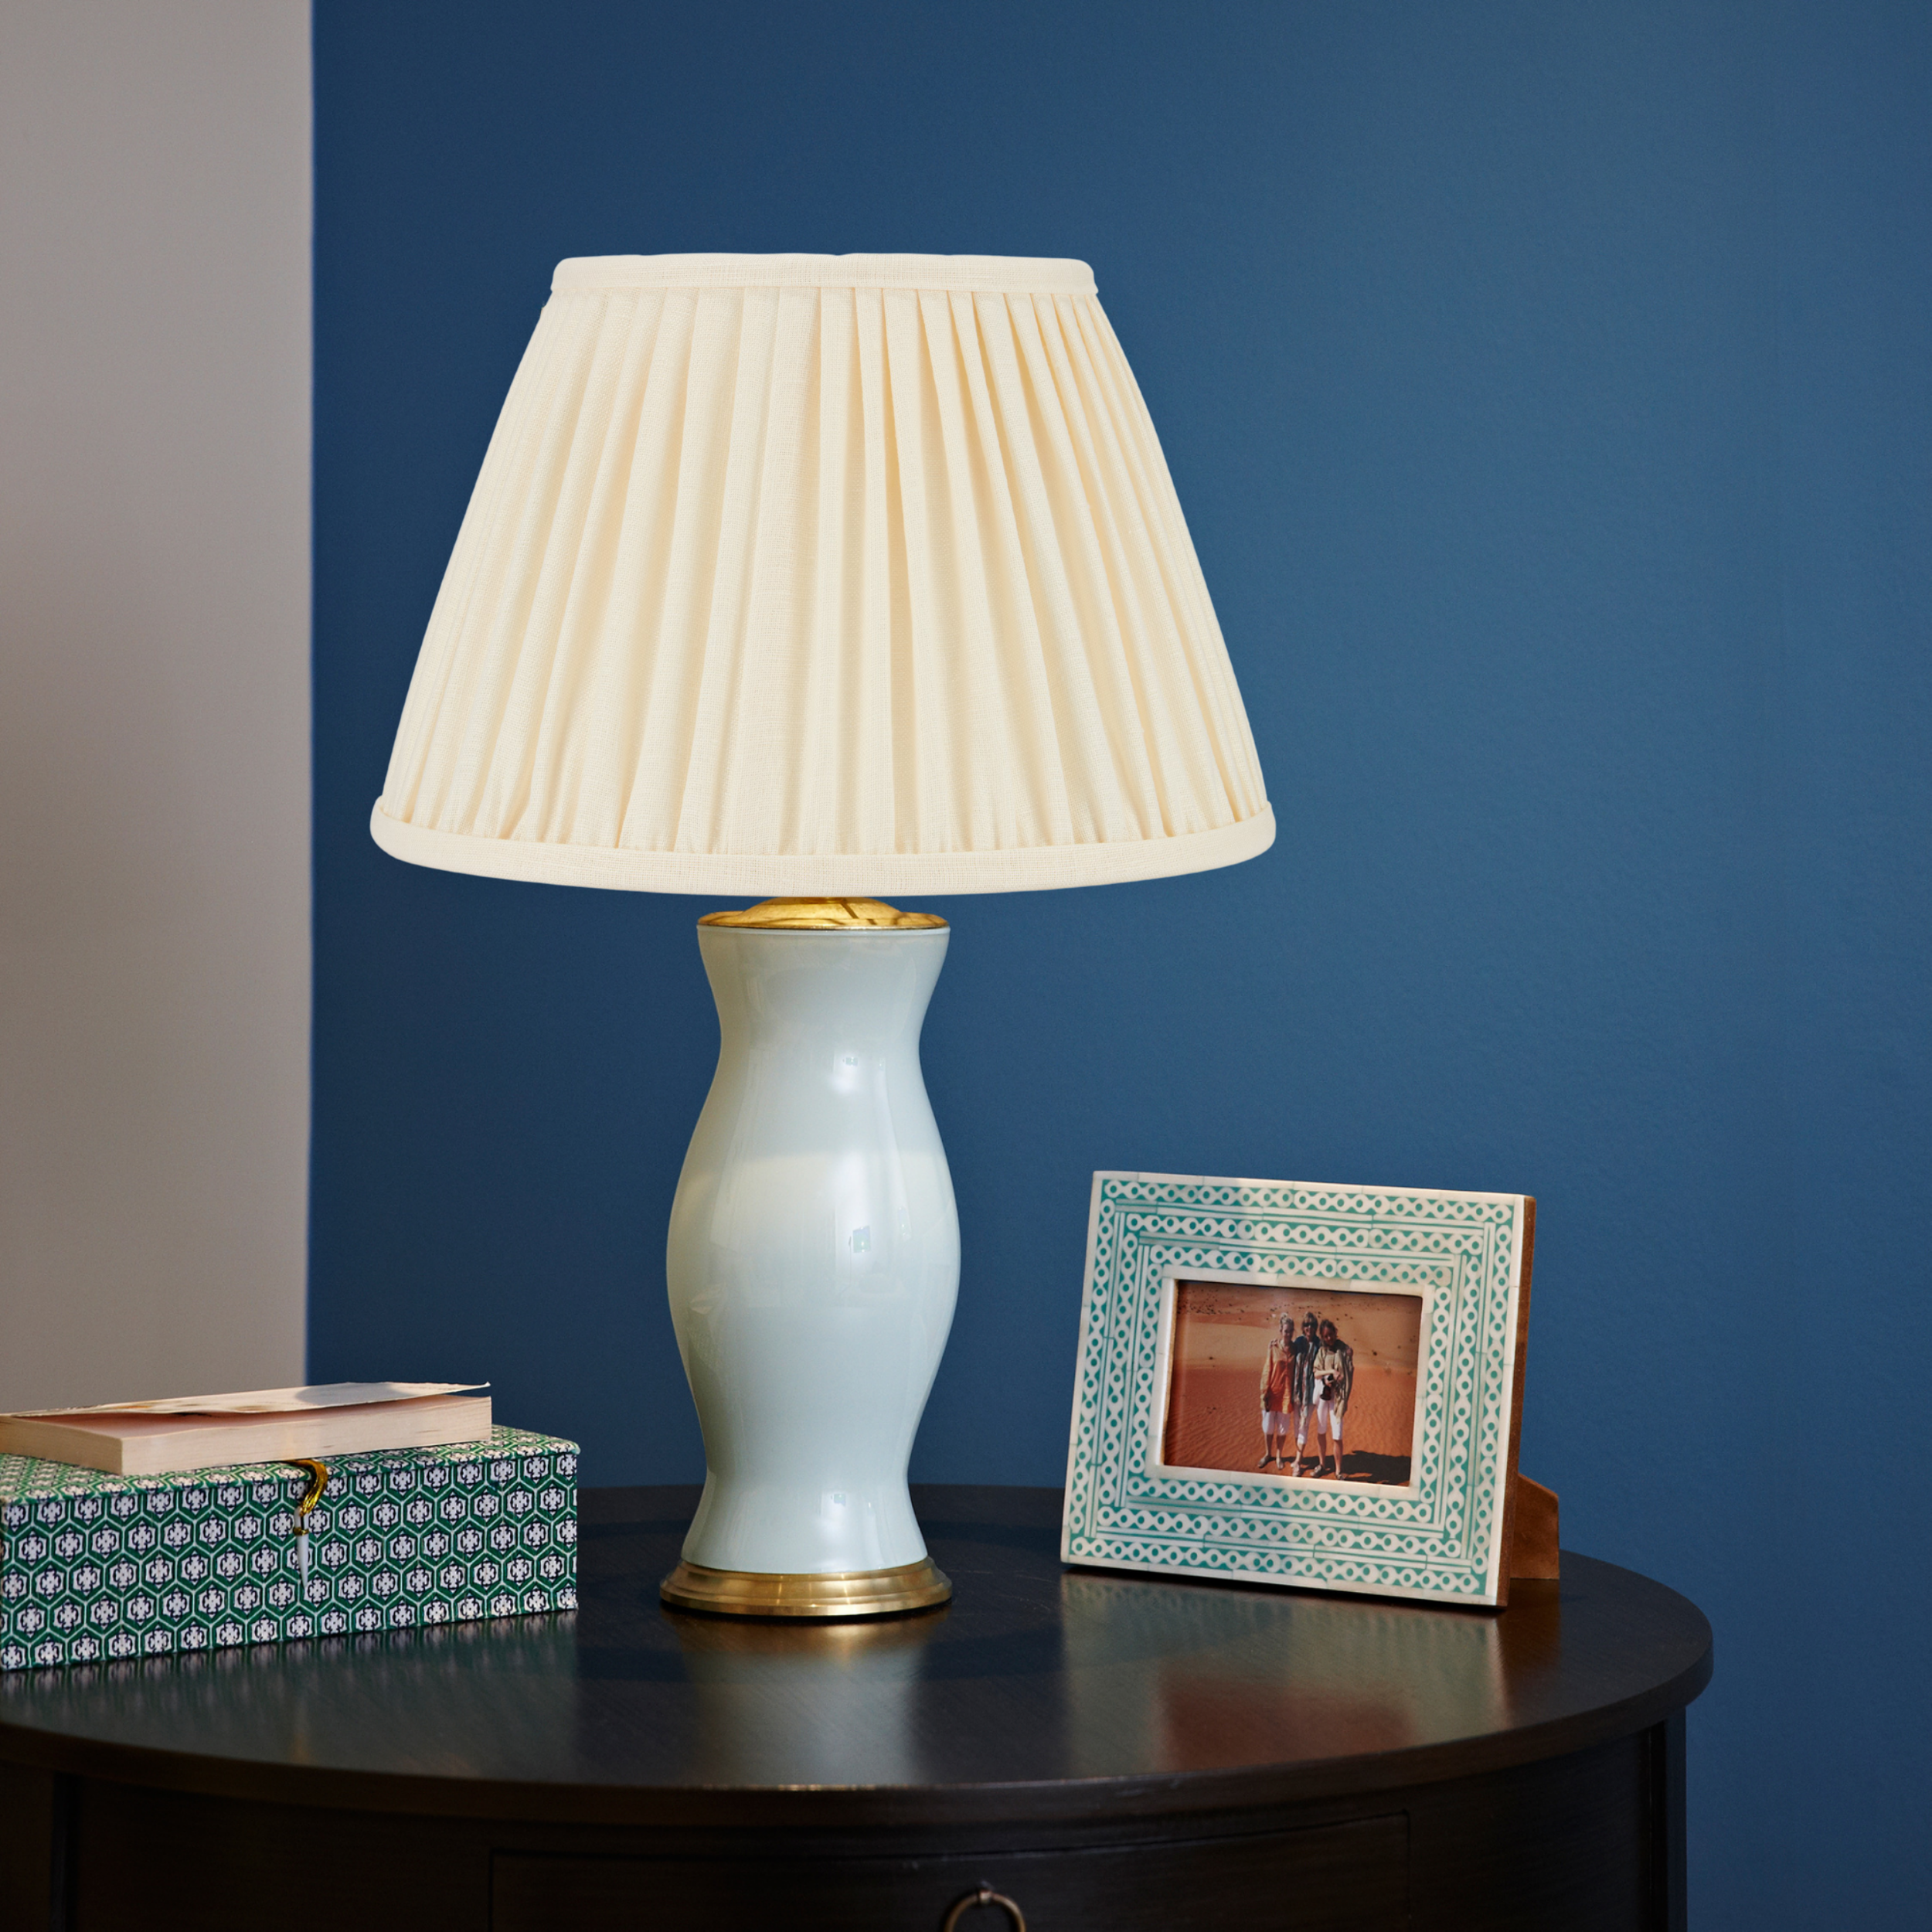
977	274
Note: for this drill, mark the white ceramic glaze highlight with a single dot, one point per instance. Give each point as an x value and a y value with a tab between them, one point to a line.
814	1256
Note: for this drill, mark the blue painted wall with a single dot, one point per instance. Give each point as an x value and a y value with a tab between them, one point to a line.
1549	388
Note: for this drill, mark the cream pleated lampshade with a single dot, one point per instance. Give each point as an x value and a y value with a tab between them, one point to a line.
824	575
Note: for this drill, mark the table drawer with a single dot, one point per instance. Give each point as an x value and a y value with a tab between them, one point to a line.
1352	1877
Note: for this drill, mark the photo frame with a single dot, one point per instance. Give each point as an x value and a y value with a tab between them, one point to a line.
1420	1302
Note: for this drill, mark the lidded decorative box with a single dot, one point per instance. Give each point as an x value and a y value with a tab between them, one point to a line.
95	1565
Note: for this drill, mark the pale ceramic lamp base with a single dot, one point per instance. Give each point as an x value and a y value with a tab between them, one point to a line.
813	1263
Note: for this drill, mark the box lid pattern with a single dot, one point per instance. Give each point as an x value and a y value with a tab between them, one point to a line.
94	1565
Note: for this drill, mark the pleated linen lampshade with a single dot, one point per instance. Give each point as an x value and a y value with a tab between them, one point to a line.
824	575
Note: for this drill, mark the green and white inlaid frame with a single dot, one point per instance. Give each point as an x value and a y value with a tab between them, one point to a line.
1443	1538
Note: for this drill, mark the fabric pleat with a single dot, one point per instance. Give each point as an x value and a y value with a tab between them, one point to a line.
838	574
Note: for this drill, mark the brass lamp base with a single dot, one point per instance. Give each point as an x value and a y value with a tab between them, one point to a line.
852	1593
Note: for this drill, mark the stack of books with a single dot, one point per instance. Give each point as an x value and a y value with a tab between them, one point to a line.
140	1528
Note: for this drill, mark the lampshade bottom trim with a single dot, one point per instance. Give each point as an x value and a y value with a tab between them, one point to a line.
842	874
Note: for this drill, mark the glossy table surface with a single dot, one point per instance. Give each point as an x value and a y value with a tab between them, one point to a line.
1037	1688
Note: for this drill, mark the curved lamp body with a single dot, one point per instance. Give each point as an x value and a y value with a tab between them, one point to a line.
814	1253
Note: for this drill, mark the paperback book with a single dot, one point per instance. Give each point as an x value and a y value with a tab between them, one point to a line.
153	1438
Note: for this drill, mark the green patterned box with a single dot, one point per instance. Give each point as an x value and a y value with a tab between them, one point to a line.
94	1565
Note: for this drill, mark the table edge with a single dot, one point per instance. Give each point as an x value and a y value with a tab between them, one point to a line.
1067	1801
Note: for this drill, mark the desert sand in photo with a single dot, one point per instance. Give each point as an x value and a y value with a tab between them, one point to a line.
1221	1334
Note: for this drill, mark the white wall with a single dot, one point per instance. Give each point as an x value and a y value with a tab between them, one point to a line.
154	196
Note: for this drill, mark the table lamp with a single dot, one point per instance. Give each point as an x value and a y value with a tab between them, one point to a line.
818	577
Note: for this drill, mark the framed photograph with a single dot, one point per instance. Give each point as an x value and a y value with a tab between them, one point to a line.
1315	1386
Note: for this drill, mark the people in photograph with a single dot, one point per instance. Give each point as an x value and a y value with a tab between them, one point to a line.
1330	1376
1278	1381
1305	1344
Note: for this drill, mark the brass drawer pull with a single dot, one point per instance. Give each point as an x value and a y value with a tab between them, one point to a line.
985	1896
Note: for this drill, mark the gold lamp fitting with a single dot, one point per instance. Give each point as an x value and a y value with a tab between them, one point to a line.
825	916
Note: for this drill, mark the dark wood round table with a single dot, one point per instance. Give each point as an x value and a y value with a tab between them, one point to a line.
1106	1750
